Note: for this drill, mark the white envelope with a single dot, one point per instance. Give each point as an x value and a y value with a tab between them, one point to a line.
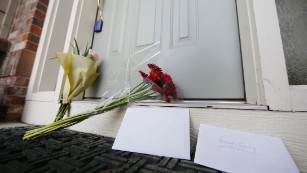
156	131
240	152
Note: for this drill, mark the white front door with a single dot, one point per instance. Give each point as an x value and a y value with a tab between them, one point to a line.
195	41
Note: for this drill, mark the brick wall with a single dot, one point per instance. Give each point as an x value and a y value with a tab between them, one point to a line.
16	67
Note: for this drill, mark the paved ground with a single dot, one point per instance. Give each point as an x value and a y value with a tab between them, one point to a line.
71	151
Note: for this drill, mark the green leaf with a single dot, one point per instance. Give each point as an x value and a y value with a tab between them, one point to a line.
86	50
74	51
77	47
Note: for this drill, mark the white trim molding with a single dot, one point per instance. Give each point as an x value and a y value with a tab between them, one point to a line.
254	90
271	55
265	72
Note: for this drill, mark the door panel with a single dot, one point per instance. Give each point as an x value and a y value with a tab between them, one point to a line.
206	61
195	41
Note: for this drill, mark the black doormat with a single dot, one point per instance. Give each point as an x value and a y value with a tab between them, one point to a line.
71	151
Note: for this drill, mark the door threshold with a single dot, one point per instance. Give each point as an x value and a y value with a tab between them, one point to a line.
214	104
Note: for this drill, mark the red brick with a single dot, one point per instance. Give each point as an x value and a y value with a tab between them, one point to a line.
25	37
16	91
40	15
15	110
25	29
14	80
31	38
3	90
16	100
21	81
34	38
36	30
9	64
31	46
45	2
5	81
4	100
25	63
38	22
17	34
12	118
40	6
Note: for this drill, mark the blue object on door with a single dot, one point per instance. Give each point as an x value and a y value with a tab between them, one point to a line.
98	26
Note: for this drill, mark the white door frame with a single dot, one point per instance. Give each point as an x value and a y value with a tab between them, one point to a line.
265	74
80	26
264	63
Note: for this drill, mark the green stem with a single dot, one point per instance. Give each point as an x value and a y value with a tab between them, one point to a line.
140	92
62	111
